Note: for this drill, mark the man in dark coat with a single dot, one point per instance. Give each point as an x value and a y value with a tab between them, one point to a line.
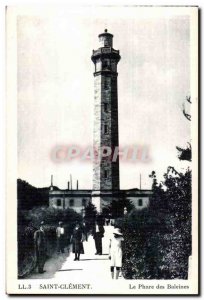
77	244
40	247
98	233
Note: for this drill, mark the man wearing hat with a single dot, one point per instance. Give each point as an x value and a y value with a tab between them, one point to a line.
60	238
98	234
40	247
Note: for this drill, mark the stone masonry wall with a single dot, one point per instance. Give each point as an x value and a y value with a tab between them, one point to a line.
105	93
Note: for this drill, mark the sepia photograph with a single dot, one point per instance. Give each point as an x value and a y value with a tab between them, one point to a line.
102	150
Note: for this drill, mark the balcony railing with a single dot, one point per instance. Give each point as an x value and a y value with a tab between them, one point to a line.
105	50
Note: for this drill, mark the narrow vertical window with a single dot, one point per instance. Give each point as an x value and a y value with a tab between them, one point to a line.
105	83
105	107
105	128
106	43
106	174
104	64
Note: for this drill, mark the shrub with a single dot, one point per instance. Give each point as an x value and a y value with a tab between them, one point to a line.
157	240
29	221
90	216
26	257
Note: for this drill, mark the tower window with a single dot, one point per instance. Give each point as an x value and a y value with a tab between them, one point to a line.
106	83
71	202
105	128
106	43
105	64
140	202
59	202
106	107
106	174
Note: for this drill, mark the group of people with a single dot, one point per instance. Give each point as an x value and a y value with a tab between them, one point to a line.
78	236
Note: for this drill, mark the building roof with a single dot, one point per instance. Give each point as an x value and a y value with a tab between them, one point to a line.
84	193
105	33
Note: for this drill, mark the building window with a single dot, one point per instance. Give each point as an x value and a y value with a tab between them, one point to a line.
140	202
71	202
105	107
59	202
106	174
83	202
105	128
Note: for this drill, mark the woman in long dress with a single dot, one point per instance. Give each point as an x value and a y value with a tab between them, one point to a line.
115	252
77	242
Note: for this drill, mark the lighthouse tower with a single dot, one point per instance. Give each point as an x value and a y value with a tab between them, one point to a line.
106	182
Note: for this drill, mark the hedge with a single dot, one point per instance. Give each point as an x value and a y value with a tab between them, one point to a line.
29	221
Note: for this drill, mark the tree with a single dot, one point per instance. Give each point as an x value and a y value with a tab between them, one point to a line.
116	207
157	240
178	192
90	216
30	196
185	153
187	116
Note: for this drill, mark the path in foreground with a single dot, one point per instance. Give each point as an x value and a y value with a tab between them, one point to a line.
90	266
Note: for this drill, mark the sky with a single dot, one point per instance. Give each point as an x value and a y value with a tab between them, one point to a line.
56	90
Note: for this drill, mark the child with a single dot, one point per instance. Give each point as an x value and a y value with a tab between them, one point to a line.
115	252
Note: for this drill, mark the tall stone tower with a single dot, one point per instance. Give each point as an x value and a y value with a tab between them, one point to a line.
105	171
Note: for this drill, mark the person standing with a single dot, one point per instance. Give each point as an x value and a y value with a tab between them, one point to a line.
85	231
115	252
77	244
40	247
98	233
60	238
